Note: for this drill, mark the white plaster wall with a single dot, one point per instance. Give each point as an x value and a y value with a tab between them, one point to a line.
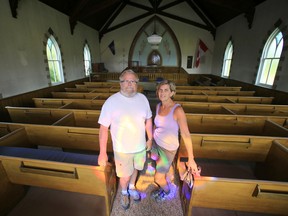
249	42
22	60
188	37
122	39
21	55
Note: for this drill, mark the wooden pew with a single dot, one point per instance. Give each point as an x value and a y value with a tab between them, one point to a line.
231	146
215	88
197	123
113	88
81	95
189	107
68	103
239	189
65	137
204	81
93	90
224	99
100	84
54	116
214	92
238	124
237	109
64	174
100	94
194	98
275	165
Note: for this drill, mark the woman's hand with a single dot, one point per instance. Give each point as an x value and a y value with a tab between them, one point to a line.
191	164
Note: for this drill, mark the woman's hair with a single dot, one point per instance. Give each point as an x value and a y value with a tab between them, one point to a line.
130	72
171	84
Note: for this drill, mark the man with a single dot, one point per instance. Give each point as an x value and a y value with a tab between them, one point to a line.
128	115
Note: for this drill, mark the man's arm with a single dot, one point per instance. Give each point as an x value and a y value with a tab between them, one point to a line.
103	139
149	132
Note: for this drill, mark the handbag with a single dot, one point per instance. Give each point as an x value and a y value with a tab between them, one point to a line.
188	178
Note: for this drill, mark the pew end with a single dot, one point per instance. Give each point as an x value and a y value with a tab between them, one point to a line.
70	172
257	179
18	173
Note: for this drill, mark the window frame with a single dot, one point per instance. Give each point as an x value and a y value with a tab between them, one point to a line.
54	63
267	61
227	60
87	60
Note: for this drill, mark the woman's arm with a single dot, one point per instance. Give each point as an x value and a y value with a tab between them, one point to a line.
180	117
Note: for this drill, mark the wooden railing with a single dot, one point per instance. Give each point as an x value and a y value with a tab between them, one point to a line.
178	78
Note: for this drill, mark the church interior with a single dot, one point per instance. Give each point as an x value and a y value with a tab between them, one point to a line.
60	62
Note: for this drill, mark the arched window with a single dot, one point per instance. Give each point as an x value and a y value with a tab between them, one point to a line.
270	59
227	60
154	58
54	61
87	60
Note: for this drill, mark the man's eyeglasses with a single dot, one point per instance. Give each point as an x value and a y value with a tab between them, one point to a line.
129	81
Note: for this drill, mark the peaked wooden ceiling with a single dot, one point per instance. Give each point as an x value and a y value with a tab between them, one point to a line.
100	14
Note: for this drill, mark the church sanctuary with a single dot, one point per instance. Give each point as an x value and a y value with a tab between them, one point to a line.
62	59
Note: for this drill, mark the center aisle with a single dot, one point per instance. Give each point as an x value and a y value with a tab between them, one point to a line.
147	206
145	185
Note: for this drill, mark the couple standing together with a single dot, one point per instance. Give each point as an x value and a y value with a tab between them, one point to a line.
128	115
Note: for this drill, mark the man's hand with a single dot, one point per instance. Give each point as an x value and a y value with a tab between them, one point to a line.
102	159
148	145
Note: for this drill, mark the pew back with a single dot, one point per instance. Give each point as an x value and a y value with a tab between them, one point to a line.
238	124
68	103
240	190
216	88
235	109
81	95
214	92
66	137
54	116
197	123
224	99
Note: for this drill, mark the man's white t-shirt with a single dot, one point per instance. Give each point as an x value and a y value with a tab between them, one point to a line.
126	118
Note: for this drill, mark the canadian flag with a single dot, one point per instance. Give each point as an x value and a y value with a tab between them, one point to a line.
202	48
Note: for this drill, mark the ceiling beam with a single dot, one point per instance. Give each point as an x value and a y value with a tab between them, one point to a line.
143	7
110	20
250	17
75	14
78	12
128	22
190	22
169	5
159	10
100	6
201	14
13	7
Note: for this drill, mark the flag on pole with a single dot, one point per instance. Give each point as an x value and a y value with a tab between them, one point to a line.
202	48
112	47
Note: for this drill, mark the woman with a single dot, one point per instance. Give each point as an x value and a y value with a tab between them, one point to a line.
170	117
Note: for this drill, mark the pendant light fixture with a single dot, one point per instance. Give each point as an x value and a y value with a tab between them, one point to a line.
154	39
